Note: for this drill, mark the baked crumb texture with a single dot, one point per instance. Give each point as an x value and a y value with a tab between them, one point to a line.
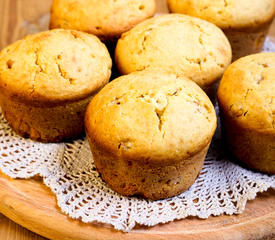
247	104
244	43
149	133
245	24
45	124
180	44
107	19
47	80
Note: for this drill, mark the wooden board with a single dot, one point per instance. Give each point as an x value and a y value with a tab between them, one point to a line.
31	204
10	230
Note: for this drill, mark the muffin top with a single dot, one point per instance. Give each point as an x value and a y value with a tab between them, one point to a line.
151	116
54	66
247	92
105	18
179	44
227	13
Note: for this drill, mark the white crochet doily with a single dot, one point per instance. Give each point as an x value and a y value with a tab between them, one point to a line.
68	170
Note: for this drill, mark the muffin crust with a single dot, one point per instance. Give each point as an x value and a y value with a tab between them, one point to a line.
47	80
226	14
107	19
180	44
150	127
247	101
53	67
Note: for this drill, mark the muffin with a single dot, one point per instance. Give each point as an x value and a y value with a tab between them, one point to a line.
149	133
180	44
107	19
245	23
47	81
247	105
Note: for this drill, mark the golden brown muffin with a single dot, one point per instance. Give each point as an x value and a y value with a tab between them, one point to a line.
107	19
247	104
47	80
245	23
180	44
149	133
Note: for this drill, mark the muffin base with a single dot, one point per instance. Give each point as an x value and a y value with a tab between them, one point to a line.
246	42
42	123
150	181
253	148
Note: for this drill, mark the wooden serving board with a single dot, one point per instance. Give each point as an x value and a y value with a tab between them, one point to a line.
32	205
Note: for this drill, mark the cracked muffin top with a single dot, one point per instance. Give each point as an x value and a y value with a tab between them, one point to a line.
107	19
54	66
177	43
227	13
151	116
247	92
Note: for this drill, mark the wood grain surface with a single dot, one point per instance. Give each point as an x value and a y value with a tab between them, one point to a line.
17	17
20	17
31	204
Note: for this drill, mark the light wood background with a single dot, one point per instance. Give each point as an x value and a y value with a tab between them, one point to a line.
17	18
